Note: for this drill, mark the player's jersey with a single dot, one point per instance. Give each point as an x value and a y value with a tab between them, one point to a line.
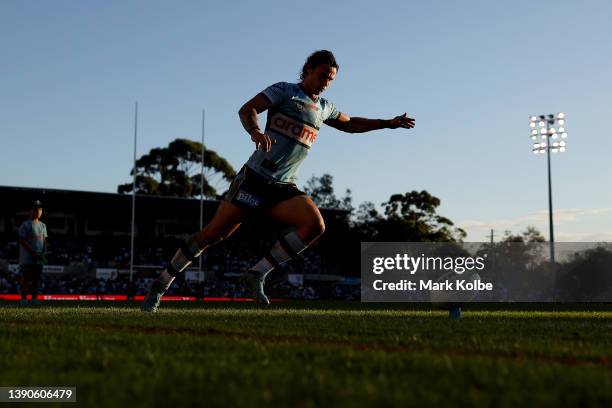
294	120
34	233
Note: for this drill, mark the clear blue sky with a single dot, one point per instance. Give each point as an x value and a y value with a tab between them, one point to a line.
470	72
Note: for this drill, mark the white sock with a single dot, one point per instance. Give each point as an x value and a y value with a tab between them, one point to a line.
179	263
282	251
263	266
166	279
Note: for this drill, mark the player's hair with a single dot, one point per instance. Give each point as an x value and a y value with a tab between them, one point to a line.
319	58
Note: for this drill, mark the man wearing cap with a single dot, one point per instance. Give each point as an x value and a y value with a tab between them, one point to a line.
32	252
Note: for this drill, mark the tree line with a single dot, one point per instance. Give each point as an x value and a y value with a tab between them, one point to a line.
175	171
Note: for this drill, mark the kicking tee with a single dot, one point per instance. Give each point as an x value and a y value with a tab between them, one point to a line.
294	120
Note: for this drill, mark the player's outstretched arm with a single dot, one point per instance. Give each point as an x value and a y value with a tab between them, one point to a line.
248	117
360	125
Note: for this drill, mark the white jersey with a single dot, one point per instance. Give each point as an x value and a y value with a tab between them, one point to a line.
294	120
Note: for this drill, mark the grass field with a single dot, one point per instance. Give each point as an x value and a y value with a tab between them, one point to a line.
310	354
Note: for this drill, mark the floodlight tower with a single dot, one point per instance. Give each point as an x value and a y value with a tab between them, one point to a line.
551	129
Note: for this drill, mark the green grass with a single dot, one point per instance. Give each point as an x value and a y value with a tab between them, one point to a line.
310	354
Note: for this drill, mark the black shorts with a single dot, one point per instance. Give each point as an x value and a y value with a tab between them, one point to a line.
252	191
31	270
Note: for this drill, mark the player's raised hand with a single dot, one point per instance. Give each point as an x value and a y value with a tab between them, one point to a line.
262	140
401	121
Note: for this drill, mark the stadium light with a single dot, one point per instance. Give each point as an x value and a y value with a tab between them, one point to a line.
548	132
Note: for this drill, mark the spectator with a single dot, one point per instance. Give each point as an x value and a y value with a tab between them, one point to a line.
32	252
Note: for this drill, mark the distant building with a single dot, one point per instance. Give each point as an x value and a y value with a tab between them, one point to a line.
79	214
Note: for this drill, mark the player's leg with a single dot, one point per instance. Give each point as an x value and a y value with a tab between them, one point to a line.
35	279
225	222
25	283
301	213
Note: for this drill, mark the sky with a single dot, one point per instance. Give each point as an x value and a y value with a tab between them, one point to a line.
470	72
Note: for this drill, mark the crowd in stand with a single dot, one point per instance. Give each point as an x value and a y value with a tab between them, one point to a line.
226	262
228	288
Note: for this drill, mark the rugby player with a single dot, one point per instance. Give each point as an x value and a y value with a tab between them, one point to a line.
265	184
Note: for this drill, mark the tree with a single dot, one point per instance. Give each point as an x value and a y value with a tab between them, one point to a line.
321	190
367	213
519	263
587	275
412	217
525	249
367	219
531	234
407	217
175	171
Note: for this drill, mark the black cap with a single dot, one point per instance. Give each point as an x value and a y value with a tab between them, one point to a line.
36	204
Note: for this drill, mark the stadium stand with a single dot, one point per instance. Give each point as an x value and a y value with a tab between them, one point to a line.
89	248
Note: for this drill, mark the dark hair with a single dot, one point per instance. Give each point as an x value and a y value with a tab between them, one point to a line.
319	58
